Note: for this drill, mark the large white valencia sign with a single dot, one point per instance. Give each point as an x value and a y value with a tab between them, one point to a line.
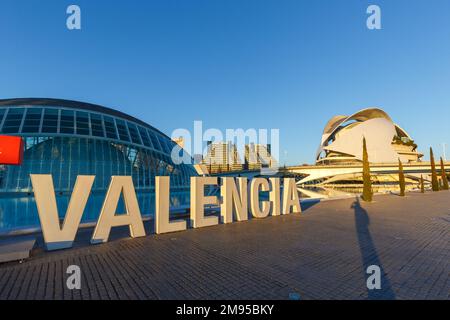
238	200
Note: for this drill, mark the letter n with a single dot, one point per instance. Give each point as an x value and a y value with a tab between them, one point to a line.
55	237
234	202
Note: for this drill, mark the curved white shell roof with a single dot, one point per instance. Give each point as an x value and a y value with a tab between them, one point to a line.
344	135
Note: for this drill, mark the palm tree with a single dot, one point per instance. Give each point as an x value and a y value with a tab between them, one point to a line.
367	189
401	178
434	179
444	176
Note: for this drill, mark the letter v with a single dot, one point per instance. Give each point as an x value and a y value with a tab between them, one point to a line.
56	237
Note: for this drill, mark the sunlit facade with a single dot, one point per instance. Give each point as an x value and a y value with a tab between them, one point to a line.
387	142
339	158
222	157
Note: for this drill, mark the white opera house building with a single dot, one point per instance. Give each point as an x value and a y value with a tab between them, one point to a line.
339	157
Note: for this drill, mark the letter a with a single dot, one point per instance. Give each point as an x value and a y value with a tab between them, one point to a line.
374	20
74	280
55	237
74	20
374	280
108	217
290	197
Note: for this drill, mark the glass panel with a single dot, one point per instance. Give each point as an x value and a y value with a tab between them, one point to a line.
2	114
122	130
32	120
50	123
135	138
96	125
145	138
66	123
13	120
170	144
110	128
164	145
155	141
83	123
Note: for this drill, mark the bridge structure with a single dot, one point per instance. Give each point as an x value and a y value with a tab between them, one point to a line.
322	175
383	172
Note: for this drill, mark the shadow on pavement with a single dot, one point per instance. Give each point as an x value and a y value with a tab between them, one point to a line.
309	204
369	253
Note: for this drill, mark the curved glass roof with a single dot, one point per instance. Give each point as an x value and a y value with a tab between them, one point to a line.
49	117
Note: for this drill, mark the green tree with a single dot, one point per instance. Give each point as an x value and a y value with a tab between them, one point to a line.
434	179
367	188
422	184
444	176
401	178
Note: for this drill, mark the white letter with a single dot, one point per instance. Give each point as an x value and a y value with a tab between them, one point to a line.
55	237
198	202
290	197
232	203
74	280
185	149
374	281
108	217
258	185
275	196
162	217
241	136
374	21
74	21
213	135
198	138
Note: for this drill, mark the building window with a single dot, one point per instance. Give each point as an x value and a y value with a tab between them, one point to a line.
155	142
2	114
110	128
67	122
83	123
13	120
97	125
50	123
122	130
32	120
145	138
135	138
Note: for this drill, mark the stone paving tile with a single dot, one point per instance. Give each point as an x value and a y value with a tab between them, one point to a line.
320	254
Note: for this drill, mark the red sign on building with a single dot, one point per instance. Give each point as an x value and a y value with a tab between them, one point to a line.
11	150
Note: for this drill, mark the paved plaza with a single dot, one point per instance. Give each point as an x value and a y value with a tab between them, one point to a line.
320	254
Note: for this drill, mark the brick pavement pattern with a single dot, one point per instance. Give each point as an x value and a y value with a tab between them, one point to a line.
320	254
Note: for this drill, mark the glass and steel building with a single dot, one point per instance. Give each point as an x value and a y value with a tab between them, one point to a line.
69	138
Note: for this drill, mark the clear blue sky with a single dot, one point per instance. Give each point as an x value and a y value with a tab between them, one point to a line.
290	65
